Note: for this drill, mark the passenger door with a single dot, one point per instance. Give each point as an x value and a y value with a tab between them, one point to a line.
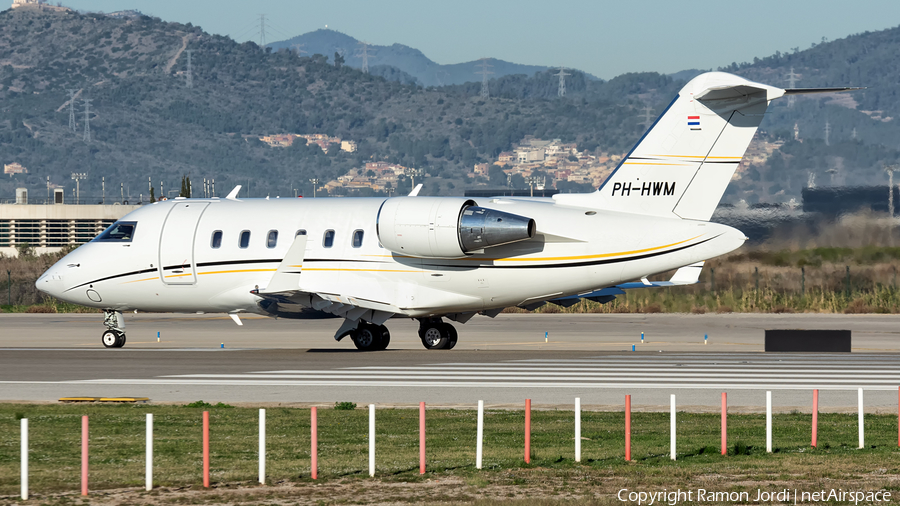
176	244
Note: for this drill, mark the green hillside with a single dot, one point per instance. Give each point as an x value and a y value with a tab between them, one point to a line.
145	121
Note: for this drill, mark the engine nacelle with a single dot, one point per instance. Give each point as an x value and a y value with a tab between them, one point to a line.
446	227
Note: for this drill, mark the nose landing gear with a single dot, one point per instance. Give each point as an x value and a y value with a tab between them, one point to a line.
114	336
437	334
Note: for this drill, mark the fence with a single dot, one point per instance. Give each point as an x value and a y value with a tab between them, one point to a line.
479	439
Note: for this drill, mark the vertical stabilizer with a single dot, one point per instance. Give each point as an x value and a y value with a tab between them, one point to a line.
682	165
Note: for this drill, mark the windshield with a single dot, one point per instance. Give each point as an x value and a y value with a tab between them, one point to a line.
120	231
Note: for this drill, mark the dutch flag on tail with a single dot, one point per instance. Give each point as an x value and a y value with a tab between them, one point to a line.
694	122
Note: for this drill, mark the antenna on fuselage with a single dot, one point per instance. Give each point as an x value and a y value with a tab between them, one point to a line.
234	193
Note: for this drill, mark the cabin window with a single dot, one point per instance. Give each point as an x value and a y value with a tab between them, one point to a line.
272	239
328	240
216	241
357	238
120	231
300	232
245	239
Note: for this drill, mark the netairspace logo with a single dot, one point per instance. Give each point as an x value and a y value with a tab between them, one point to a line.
782	496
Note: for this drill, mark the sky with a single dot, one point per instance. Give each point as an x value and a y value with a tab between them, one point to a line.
604	38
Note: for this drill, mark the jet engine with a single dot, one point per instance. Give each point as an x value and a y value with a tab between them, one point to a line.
446	227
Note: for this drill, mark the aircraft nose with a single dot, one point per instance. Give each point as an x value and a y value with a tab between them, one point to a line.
51	282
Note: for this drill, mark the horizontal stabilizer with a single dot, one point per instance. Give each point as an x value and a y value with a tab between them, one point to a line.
804	91
687	275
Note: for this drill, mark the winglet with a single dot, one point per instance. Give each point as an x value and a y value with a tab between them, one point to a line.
415	191
234	193
687	275
287	276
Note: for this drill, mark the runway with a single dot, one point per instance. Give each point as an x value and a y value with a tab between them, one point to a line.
501	361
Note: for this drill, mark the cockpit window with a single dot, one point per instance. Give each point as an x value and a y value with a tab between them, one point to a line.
120	231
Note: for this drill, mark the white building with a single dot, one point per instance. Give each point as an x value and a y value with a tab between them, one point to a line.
49	228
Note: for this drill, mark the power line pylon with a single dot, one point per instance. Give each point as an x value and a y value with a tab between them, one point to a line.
561	92
190	73
646	115
72	94
485	94
262	31
792	83
87	120
364	54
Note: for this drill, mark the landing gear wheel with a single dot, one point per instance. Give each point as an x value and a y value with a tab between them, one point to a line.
369	337
434	336
113	339
385	338
452	336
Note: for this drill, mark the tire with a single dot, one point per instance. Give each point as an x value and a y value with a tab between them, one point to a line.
110	339
121	341
434	337
366	337
385	339
452	336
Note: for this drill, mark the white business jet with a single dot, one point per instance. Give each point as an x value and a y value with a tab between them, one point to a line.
366	260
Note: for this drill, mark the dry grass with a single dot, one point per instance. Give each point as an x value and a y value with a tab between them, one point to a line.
116	458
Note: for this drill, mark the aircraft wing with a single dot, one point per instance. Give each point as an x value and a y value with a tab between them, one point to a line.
686	275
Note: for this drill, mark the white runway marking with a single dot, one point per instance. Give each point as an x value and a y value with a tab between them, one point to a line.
690	371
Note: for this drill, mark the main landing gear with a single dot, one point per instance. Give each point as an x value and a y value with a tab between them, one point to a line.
436	334
370	337
114	337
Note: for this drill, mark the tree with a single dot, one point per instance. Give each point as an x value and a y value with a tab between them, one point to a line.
338	59
185	187
152	195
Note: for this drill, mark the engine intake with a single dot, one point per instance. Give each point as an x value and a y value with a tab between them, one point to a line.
446	227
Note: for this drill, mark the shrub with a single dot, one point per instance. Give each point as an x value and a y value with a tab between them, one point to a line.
344	406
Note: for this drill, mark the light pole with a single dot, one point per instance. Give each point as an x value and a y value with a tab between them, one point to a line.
890	171
535	180
315	183
412	173
78	176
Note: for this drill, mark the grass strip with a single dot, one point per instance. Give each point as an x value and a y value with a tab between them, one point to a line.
117	446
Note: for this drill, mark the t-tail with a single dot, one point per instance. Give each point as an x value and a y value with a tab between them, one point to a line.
683	163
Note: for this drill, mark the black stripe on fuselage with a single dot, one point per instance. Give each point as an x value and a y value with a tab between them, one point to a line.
532	266
114	277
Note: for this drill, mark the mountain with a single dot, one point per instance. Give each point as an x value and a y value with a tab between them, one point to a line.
146	123
409	60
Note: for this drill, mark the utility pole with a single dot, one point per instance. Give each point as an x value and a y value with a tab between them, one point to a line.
792	82
484	77
561	91
103	189
190	74
77	177
72	93
833	173
811	180
315	183
364	54
87	120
